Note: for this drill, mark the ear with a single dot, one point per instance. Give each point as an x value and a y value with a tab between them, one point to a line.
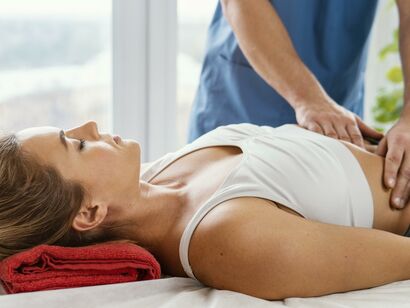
90	216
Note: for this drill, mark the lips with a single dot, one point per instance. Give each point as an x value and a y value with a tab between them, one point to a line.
117	139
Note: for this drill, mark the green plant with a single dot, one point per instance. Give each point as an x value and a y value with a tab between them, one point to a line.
389	102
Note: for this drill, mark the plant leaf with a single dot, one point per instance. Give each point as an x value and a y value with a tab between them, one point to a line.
391	48
390	4
395	74
379	129
388	106
396	36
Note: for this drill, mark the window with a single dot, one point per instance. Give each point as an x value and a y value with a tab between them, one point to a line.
55	63
194	18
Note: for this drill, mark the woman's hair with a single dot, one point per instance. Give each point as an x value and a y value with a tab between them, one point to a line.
38	206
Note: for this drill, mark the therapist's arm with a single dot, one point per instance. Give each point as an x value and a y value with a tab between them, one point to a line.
396	144
266	44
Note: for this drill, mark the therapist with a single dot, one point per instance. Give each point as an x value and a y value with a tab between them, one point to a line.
292	61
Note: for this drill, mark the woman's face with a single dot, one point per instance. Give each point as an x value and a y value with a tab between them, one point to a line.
109	171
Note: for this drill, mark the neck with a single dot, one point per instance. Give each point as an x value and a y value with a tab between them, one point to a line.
157	213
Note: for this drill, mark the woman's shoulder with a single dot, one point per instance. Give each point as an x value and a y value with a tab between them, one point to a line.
231	247
229	221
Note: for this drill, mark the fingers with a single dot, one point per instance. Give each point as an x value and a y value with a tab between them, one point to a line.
342	133
400	193
367	130
333	121
396	147
382	148
392	164
329	130
349	133
315	127
370	148
355	135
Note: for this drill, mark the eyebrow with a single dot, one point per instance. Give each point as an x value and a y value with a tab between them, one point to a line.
62	139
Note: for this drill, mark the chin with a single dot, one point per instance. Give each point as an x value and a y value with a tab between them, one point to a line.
130	142
134	145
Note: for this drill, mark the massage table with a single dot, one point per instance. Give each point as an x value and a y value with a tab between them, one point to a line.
186	292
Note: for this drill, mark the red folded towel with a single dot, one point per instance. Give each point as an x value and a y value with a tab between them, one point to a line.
47	267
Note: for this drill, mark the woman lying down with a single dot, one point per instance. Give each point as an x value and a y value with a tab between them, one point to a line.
269	212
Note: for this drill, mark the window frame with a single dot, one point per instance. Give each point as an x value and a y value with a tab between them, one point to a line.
144	74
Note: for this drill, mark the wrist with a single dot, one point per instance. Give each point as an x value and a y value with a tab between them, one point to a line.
308	101
307	93
405	113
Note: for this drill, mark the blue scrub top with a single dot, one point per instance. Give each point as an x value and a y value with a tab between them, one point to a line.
330	36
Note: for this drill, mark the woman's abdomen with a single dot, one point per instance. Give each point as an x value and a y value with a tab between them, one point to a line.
385	217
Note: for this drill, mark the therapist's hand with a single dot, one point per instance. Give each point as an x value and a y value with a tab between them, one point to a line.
395	146
330	119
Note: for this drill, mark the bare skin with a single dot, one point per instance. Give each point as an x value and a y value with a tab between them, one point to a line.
226	239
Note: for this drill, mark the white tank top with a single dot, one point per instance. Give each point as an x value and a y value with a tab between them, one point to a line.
314	175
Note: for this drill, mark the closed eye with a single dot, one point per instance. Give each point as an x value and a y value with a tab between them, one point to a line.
82	144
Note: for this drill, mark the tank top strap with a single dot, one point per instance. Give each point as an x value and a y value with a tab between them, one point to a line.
221	136
221	196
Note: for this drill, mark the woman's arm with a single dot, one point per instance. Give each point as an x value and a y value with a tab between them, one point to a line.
265	252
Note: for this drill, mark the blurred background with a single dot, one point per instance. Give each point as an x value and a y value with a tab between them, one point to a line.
55	63
58	66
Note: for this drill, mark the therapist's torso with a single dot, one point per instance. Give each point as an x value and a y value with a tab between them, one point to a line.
330	36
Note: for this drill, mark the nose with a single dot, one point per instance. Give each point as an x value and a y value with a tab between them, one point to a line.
87	130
